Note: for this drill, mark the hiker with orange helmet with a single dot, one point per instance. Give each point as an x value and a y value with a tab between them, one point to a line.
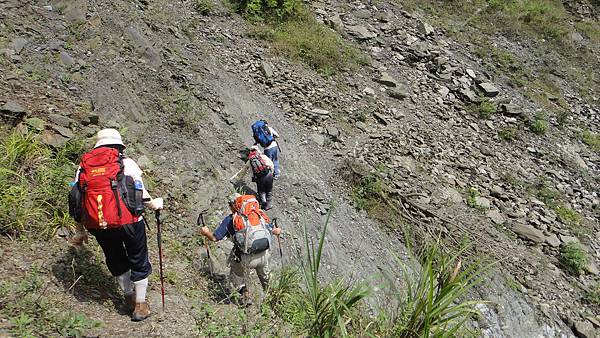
250	230
108	199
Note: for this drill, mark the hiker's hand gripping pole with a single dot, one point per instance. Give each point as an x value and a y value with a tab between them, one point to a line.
200	221
160	257
276	225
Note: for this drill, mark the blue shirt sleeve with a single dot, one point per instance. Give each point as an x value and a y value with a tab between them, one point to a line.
224	229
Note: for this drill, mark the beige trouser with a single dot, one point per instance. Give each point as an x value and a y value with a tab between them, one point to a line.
240	270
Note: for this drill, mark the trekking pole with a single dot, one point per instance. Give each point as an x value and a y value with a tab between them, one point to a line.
200	221
160	258
276	224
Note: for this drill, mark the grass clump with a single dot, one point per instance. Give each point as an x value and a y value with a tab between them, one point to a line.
508	133
204	7
33	314
568	215
430	303
484	109
367	192
433	302
186	111
593	295
294	32
574	257
34	184
592	140
315	308
269	10
540	124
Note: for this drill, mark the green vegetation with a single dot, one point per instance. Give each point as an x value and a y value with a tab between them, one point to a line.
294	32
430	303
544	27
484	109
34	184
269	10
433	305
592	140
205	7
593	295
574	257
568	215
508	133
557	202
186	110
540	124
472	195
367	192
513	285
33	314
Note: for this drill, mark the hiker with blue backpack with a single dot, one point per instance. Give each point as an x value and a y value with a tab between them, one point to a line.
250	230
266	136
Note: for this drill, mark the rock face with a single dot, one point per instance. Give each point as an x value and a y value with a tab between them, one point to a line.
528	232
361	32
12	109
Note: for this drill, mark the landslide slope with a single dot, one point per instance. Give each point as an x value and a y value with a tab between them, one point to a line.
184	87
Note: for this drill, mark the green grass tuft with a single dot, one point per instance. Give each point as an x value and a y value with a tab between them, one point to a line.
33	314
540	125
367	192
34	185
592	140
484	109
508	133
574	257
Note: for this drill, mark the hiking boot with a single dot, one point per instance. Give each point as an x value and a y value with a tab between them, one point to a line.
141	311
130	302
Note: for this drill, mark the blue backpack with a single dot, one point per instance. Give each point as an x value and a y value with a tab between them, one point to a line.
261	133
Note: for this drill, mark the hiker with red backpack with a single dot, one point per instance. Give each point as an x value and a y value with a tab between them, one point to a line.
266	136
108	199
262	174
250	230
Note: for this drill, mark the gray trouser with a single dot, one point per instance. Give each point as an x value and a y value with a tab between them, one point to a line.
240	269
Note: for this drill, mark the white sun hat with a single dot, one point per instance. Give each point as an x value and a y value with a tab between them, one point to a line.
108	136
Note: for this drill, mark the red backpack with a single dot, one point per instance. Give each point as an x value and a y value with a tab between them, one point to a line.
100	183
258	164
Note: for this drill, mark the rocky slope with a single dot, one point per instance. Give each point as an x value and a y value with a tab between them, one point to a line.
186	90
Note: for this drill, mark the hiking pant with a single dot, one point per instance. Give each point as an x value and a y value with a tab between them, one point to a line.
273	154
125	249
264	187
240	266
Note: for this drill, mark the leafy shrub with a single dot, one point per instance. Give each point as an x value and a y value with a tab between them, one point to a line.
508	133
539	125
366	194
568	215
484	109
269	10
574	257
34	184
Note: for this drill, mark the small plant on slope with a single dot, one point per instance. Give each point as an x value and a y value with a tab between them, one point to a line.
574	257
432	304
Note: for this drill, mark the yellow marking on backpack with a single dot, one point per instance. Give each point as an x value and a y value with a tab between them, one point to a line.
101	222
98	171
